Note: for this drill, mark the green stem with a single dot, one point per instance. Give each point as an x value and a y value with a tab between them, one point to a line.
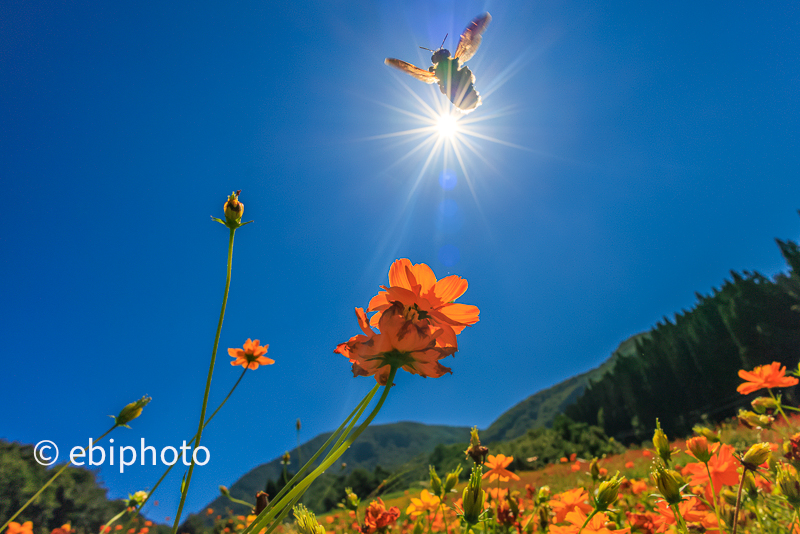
201	424
286	511
58	473
444	517
239	501
679	518
594	512
780	408
738	501
111	521
714	496
299	460
494	524
160	480
354	416
258	524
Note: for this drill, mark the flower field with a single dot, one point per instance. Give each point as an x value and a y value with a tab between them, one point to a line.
739	477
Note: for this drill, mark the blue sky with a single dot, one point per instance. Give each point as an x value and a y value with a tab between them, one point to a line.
626	155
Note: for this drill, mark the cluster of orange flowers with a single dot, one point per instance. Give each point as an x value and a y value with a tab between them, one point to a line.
418	321
705	491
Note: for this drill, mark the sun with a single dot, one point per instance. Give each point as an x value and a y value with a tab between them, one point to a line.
439	132
447	125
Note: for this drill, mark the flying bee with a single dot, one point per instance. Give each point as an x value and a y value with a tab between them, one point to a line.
455	81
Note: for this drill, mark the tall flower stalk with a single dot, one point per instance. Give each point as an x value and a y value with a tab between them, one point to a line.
233	219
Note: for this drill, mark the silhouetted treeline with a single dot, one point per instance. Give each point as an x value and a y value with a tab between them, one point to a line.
687	368
75	497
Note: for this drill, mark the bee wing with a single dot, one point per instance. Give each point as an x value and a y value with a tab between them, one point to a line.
471	38
418	73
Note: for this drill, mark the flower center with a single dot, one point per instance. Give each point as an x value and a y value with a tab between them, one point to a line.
413	313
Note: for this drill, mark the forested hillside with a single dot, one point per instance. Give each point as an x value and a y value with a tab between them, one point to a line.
687	368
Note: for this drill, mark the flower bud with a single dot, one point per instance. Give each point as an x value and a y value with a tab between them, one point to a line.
764	405
544	495
224	491
419	528
137	499
661	443
475	450
233	208
707	433
351	500
262	501
451	479
753	420
669	483
306	522
698	447
473	497
607	492
286	458
436	482
756	455
131	412
594	469
297	425
789	486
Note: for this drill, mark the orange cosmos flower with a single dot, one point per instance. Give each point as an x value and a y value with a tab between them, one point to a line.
377	517
425	298
689	509
722	465
765	376
427	502
402	342
596	526
497	468
252	356
566	502
638	486
496	494
16	528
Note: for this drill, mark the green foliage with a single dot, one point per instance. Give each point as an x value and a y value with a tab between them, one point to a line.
687	368
74	497
546	445
389	446
541	408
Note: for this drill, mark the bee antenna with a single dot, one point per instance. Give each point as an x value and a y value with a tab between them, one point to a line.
440	46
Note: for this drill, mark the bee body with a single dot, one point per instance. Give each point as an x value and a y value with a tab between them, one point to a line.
455	80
